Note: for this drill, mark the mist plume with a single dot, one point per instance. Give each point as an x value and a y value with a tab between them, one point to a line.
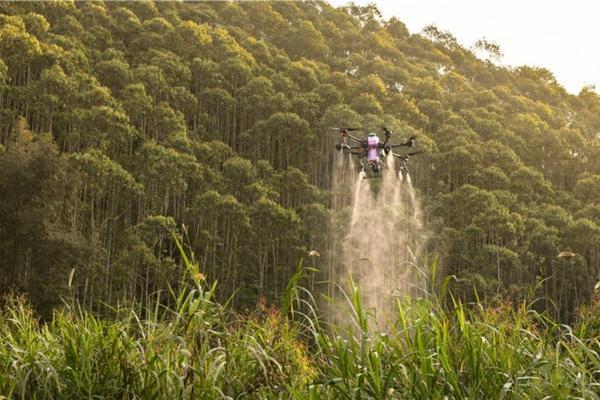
379	222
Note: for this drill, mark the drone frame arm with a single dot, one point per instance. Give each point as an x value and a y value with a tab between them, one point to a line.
410	142
405	144
406	156
403	157
354	138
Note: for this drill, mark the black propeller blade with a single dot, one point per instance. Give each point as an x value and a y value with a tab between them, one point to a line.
345	129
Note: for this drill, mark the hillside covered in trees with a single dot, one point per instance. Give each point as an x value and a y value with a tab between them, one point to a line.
124	122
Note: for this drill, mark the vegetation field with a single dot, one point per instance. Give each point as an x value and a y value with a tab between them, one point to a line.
122	121
199	349
127	128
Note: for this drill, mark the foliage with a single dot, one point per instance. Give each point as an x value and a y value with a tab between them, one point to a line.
215	115
197	348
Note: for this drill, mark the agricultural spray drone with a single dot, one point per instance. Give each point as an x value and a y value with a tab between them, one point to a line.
372	152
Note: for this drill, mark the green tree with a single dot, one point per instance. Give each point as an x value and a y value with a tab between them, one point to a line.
37	247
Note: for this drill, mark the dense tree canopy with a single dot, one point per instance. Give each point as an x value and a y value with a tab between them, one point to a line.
122	123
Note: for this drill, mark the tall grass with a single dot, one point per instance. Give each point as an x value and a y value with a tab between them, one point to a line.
198	349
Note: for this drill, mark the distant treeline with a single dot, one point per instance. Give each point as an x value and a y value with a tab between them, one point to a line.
123	123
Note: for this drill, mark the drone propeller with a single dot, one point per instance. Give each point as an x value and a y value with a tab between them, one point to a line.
404	157
344	129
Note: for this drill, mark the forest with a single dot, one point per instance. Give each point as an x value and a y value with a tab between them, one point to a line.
134	133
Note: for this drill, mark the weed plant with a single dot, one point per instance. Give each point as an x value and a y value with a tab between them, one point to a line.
198	349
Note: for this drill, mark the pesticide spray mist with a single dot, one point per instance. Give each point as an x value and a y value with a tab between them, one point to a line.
380	236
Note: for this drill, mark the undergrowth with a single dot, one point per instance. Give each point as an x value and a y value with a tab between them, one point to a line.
199	349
